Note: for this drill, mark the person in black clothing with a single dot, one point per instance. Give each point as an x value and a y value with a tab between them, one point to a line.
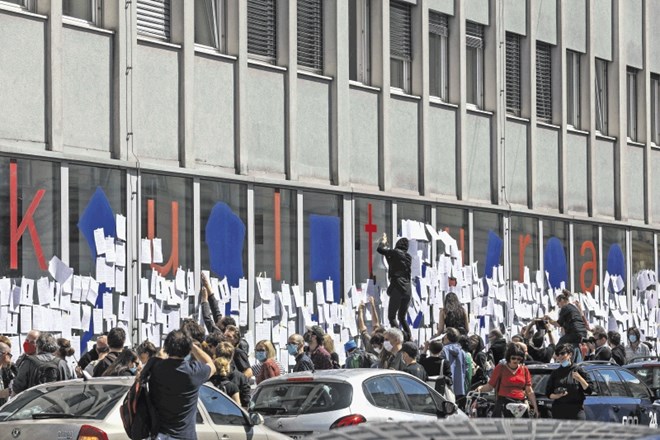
226	350
222	381
480	367
399	270
453	315
497	347
410	352
567	386
116	341
618	352
296	347
92	355
125	365
570	319
603	352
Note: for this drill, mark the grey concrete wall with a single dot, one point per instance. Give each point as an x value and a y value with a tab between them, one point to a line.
156	103
403	148
87	110
444	6
602	25
313	129
516	162
632	33
576	168
442	139
515	13
364	137
546	168
603	197
265	126
547	22
22	75
477	157
213	109
634	182
477	11
653	8
655	183
575	26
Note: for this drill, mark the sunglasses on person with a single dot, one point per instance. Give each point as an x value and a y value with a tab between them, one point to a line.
6	352
517	358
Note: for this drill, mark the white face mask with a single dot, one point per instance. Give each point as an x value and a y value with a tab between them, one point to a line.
378	350
387	345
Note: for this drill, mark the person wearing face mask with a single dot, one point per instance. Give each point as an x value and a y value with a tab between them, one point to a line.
393	339
568	386
29	346
296	347
265	354
635	348
319	355
126	364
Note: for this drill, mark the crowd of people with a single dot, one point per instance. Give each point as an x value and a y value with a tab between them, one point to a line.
216	352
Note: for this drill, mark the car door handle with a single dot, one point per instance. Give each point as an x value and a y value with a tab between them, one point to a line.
390	419
615	408
642	409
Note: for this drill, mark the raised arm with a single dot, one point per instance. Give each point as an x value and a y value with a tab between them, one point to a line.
375	319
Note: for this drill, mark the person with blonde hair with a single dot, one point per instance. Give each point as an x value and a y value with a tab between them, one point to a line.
265	353
221	379
329	345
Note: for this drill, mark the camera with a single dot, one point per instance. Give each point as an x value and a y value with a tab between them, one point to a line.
560	390
540	324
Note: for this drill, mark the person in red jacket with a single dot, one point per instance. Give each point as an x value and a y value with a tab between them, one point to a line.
265	353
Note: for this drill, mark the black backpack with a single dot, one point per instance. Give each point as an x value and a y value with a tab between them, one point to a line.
137	412
45	371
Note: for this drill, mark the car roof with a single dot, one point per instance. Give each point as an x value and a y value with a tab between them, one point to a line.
109	380
344	375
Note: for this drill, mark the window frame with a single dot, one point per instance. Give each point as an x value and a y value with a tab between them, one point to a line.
601	94
360	41
655	108
513	74
474	53
269	53
631	103
146	32
403	400
27	5
573	89
96	11
313	45
402	60
441	88
544	110
218	26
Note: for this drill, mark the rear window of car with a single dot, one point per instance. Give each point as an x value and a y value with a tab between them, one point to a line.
540	381
301	397
80	400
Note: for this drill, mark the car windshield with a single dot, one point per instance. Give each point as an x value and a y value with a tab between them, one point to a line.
649	375
292	398
79	400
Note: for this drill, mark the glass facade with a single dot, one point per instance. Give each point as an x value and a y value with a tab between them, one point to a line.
488	244
524	246
585	252
373	217
556	255
456	222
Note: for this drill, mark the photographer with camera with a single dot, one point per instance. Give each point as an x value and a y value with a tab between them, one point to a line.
536	348
567	386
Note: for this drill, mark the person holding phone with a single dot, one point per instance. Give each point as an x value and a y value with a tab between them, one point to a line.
568	386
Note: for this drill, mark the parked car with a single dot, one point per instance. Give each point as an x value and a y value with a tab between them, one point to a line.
89	409
300	404
619	396
647	368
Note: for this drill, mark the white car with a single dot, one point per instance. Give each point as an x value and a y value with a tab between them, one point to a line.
302	404
89	409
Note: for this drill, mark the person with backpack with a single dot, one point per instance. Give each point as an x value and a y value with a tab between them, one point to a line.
221	379
226	350
126	364
42	367
356	358
116	341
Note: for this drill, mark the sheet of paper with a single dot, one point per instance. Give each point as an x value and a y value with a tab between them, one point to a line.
26	319
43	290
75	318
329	291
92	291
59	270
107	305
27	291
320	295
97	317
120	221
123	311
243	290
180	280
120	279
110	254
158	250
243	314
145	251
56	294
5	291
77	288
297	296
190	284
86	316
99	241
144	290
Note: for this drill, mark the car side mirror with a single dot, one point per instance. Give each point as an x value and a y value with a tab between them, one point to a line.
256	419
448	408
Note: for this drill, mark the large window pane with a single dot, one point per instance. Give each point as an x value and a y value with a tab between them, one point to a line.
276	234
455	221
555	252
84	182
585	252
614	251
488	244
323	240
223	229
524	246
642	251
372	218
36	185
412	211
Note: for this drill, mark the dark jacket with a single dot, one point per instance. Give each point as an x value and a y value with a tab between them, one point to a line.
619	354
497	350
87	358
29	365
603	353
303	363
432	365
562	378
243	384
571	321
399	263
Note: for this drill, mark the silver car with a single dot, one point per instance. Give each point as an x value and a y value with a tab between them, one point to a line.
301	404
89	409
